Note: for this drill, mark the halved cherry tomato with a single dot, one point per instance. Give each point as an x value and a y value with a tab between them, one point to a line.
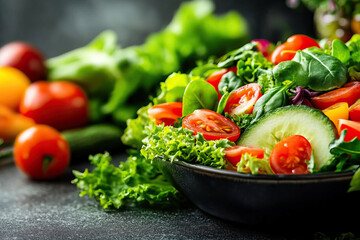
287	50
243	99
62	105
353	129
166	113
234	153
337	111
24	57
41	152
349	93
212	125
354	111
215	78
290	155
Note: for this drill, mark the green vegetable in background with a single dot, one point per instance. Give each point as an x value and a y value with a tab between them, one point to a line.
340	51
172	90
120	78
180	144
133	183
199	95
325	72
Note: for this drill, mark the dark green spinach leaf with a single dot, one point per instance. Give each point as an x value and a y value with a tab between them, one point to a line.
290	71
340	51
199	95
325	72
229	82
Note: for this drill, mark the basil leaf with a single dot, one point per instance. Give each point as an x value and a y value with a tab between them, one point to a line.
290	71
340	51
229	82
325	72
199	95
351	148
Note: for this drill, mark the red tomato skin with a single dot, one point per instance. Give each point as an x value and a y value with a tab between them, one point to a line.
247	95
284	154
24	57
287	50
234	153
215	78
166	113
62	105
354	111
36	142
353	129
204	115
349	93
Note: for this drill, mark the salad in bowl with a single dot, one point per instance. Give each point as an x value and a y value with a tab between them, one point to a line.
253	124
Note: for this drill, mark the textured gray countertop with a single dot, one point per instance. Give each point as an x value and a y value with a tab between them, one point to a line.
53	210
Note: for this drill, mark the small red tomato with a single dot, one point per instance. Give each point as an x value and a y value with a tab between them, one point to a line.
349	93
24	57
242	100
166	113
290	155
62	105
41	152
212	125
353	129
354	111
287	50
215	78
234	153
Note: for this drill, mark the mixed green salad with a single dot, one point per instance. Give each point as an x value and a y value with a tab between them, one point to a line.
293	108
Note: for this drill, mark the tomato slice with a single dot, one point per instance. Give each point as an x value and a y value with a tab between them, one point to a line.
166	113
234	153
353	129
242	100
354	111
215	78
287	50
211	125
290	155
349	93
337	111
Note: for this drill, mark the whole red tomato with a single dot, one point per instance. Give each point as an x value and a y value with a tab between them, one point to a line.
287	50
41	152
24	57
62	105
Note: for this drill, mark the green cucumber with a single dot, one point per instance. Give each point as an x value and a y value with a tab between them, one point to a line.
93	139
292	120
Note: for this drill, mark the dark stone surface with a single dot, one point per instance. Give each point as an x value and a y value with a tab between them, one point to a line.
53	210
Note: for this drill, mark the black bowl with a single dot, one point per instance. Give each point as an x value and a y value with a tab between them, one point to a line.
257	199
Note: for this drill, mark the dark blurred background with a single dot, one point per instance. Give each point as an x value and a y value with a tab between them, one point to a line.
58	26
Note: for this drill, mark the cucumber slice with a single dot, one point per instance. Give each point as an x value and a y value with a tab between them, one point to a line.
292	120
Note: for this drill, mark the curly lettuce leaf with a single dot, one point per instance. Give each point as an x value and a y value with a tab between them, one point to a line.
180	144
253	165
135	182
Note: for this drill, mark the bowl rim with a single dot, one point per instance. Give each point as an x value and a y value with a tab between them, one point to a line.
222	173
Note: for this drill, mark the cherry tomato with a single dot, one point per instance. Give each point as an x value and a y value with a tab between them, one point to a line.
289	156
354	111
234	153
41	152
24	57
215	78
13	84
287	50
349	93
242	100
166	113
62	105
353	129
212	125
